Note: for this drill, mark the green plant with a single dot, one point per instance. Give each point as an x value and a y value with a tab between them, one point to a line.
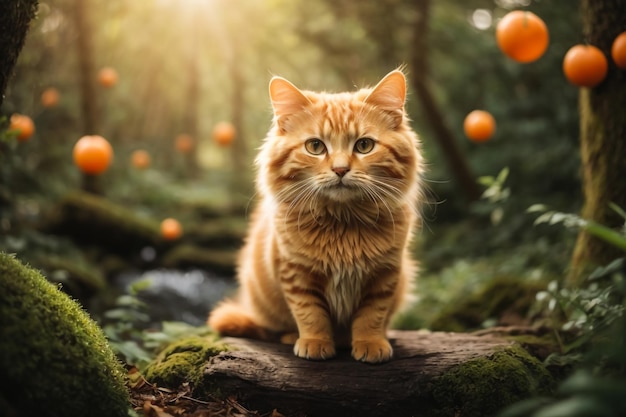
128	332
496	193
596	314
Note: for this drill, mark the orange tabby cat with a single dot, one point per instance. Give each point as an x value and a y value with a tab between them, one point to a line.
327	255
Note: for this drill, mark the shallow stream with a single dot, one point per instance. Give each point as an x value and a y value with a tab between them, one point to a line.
172	295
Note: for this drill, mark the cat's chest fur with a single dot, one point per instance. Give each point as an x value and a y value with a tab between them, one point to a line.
346	252
333	245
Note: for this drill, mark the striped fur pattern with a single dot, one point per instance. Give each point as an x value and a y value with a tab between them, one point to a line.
326	261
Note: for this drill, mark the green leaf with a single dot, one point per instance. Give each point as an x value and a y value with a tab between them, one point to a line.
618	210
487	181
503	175
606	234
537	208
601	272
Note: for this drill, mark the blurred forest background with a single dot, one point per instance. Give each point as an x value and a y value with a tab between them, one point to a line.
184	66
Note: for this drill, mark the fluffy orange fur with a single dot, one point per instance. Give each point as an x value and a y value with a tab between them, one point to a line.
326	260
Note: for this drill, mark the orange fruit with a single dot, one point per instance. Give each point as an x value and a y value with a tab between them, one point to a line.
171	229
107	77
522	36
184	143
224	133
93	154
585	65
22	125
479	126
618	50
50	97
140	159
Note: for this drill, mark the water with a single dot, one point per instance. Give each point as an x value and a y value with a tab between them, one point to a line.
173	295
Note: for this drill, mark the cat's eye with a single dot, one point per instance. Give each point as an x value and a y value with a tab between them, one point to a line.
364	145
315	146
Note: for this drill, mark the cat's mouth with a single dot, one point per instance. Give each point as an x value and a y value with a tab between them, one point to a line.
342	190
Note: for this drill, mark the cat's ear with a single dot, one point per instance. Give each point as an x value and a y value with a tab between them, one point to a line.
286	98
390	95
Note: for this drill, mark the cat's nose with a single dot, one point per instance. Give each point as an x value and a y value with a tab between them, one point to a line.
341	171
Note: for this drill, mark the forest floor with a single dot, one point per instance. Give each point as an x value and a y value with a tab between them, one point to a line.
149	400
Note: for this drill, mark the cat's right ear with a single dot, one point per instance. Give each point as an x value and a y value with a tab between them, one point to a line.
286	98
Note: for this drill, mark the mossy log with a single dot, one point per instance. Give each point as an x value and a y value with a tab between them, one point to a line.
94	220
431	374
114	229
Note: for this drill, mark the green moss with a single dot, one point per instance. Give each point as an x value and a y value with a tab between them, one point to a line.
183	361
509	295
484	386
54	360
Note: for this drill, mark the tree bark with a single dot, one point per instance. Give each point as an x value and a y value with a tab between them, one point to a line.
86	72
419	79
602	139
15	17
416	382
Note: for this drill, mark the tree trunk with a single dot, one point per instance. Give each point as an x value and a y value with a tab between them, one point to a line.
190	117
86	72
602	139
419	79
430	374
15	17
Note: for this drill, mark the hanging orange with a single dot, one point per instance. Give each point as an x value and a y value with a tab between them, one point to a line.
522	36
224	133
93	154
479	126
171	229
140	159
50	97
585	65
184	143
618	50
107	77
23	126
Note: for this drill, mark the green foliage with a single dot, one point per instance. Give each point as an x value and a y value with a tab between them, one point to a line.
126	327
616	238
596	316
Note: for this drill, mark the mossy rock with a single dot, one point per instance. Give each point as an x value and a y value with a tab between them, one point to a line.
54	360
484	386
503	296
183	361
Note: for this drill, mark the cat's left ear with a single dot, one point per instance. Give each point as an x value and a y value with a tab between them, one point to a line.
390	95
286	98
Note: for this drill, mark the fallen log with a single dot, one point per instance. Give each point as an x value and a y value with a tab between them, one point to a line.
431	374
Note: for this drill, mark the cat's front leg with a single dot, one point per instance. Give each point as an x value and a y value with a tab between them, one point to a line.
310	310
369	325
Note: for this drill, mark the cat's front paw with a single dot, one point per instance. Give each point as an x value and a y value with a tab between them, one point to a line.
372	351
316	349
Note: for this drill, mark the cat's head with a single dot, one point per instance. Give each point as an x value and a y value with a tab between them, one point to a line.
355	148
